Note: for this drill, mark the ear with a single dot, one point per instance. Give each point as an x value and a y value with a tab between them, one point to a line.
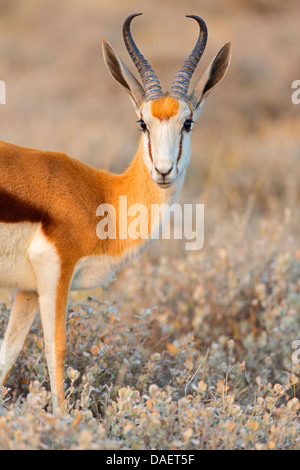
214	73
122	75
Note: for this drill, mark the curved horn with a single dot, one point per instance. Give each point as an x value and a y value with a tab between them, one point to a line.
181	83
150	81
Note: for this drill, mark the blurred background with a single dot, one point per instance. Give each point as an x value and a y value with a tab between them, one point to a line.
245	146
234	303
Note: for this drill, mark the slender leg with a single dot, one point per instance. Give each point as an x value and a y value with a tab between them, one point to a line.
21	317
53	281
53	308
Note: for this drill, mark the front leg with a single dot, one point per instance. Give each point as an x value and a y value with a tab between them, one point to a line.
53	281
53	307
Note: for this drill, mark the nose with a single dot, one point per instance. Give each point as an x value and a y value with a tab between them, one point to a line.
163	171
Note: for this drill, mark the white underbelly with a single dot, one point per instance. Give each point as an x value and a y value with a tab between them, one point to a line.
15	268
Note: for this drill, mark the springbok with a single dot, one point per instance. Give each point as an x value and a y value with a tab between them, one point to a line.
49	201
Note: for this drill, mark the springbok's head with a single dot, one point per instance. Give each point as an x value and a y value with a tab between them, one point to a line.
166	119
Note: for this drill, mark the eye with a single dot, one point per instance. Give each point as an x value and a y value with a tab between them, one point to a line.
143	125
187	126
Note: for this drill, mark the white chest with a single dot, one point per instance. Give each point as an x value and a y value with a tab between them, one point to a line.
92	271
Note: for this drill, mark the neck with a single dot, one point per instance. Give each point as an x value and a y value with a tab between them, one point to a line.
139	187
135	198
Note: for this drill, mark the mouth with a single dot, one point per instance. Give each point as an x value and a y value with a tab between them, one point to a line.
164	184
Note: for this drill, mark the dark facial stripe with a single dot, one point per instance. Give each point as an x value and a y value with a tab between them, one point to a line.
181	137
180	148
149	146
13	210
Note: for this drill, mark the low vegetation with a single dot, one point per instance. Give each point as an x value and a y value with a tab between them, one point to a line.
211	366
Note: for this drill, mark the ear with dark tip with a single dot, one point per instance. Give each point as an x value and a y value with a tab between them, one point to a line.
214	73
122	75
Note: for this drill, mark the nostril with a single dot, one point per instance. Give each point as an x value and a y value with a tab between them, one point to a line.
164	172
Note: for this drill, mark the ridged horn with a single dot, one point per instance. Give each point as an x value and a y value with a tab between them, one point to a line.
150	81
182	80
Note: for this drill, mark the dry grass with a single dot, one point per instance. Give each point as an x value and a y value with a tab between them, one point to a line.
187	350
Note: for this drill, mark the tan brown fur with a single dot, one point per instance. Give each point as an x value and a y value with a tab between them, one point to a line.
164	107
66	194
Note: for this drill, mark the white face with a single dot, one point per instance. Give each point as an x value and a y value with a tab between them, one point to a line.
166	125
